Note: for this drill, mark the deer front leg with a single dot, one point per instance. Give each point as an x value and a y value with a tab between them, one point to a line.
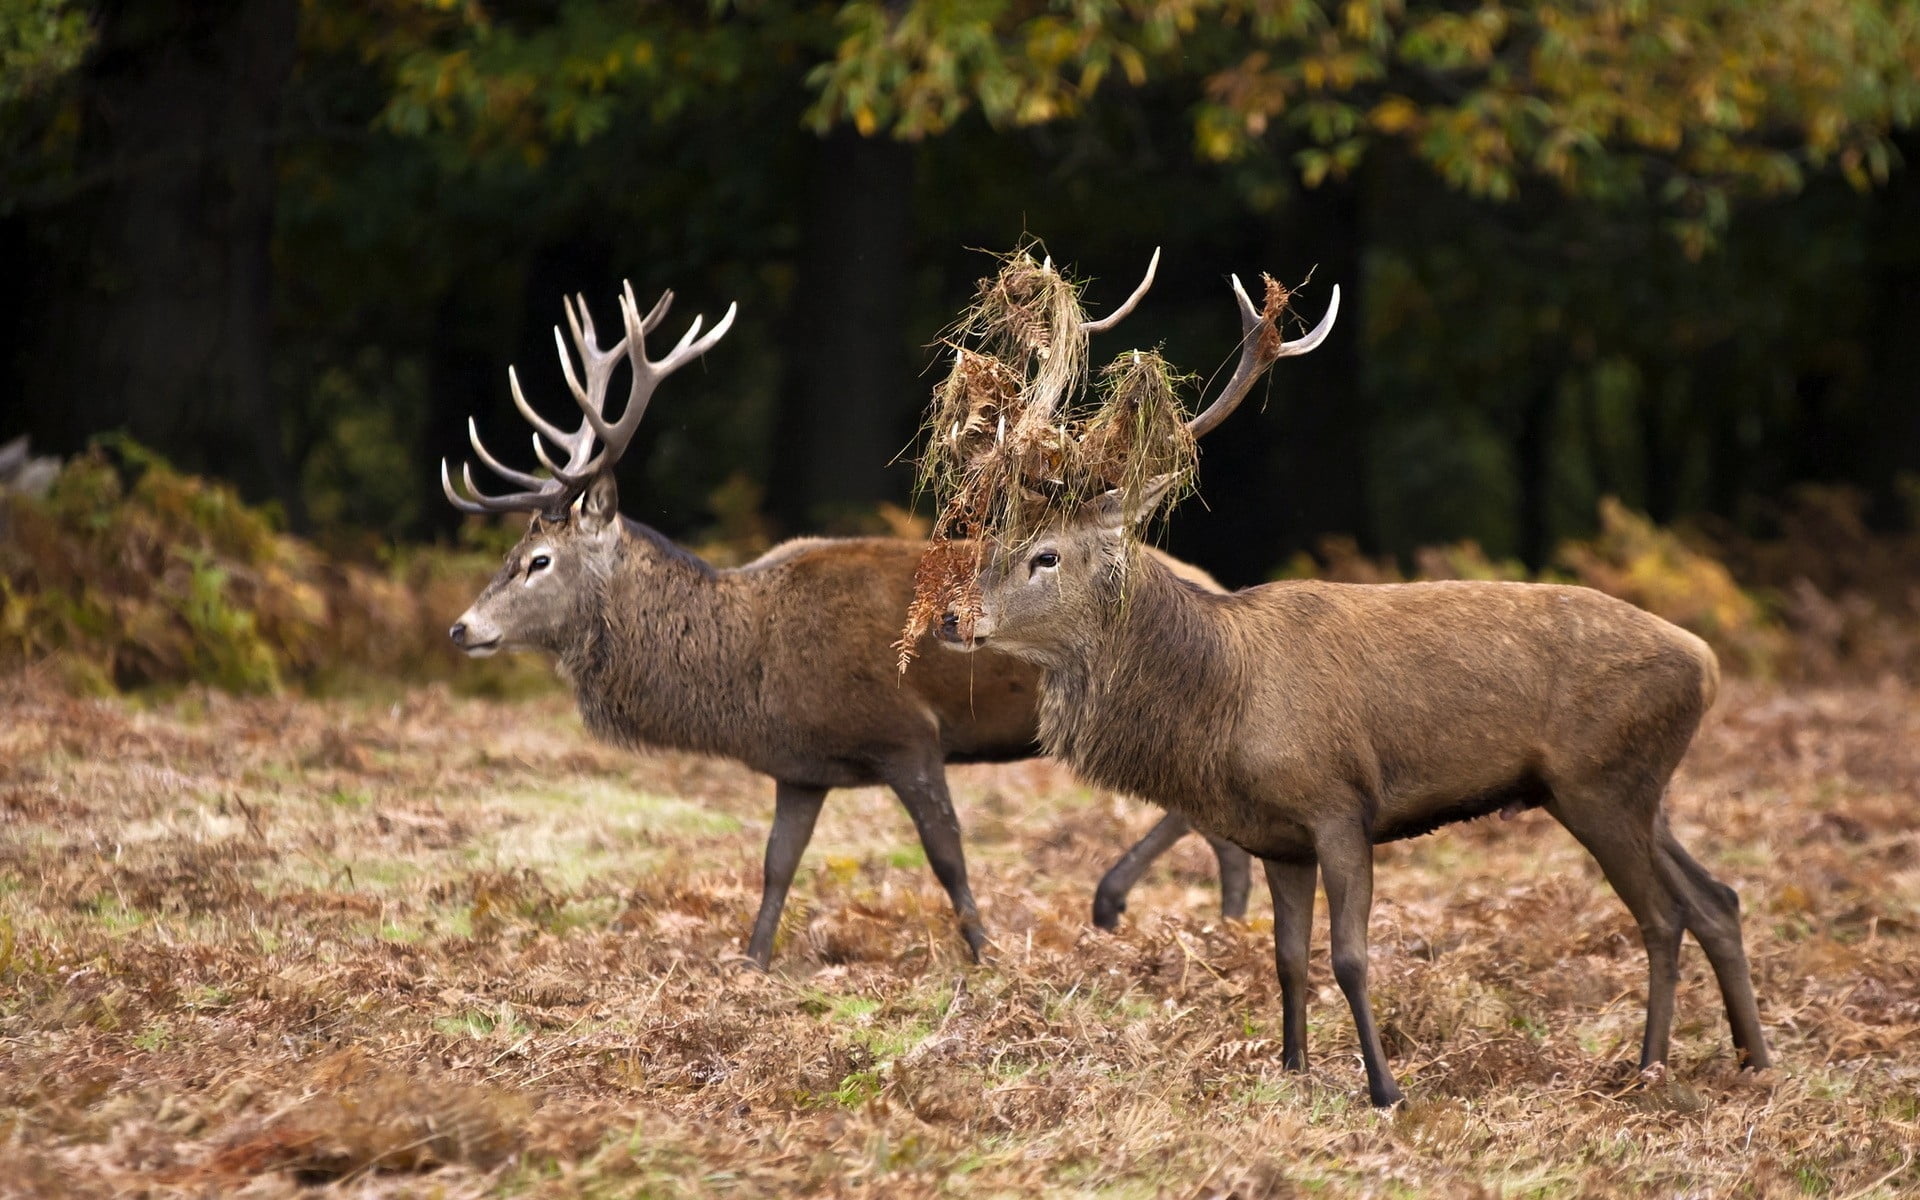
1291	886
1346	864
924	791
795	809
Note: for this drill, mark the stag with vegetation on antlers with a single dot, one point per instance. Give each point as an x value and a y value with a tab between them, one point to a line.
784	664
1306	721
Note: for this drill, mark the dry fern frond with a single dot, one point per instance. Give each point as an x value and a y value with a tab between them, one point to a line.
1016	439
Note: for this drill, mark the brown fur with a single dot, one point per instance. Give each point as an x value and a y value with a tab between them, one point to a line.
784	664
1306	721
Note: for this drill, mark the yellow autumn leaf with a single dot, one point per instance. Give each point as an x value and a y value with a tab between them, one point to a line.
1395	114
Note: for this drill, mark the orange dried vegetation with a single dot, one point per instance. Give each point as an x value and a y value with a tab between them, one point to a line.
435	945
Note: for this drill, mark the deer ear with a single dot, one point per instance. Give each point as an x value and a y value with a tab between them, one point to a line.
601	503
1152	492
1111	510
1106	511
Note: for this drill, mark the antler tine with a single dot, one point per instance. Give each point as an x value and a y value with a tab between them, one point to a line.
656	314
483	503
510	502
1316	335
599	363
566	363
647	373
685	352
569	475
1253	363
553	432
580	321
1120	314
518	478
592	397
454	497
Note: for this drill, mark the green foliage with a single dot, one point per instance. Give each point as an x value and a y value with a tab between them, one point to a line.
360	469
146	574
1693	102
130	573
445	166
511	89
40	41
915	69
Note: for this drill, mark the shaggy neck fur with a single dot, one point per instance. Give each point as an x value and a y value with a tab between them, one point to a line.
1156	648
659	653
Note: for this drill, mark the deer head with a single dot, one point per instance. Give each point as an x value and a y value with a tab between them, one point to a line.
1051	588
569	545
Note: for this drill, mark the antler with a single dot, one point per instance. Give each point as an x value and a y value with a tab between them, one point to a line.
582	464
1120	314
1257	353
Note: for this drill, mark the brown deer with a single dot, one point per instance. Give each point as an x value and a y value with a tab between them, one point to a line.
1306	721
784	664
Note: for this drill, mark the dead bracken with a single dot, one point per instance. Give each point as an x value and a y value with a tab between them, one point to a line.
1017	433
490	956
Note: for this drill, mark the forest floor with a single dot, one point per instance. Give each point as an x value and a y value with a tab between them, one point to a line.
425	945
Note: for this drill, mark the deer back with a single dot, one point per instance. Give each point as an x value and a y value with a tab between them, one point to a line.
1427	699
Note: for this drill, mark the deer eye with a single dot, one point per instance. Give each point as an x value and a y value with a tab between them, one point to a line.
1043	561
540	563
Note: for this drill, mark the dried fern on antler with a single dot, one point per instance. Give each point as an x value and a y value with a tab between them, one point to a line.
1016	437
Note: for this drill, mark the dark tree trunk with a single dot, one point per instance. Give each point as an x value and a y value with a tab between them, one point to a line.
848	403
1532	451
460	384
1894	351
1324	423
153	284
1659	461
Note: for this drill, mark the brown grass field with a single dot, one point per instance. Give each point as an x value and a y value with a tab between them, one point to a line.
426	945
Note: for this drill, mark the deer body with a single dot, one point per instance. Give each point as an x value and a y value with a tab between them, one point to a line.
1307	721
1433	702
783	664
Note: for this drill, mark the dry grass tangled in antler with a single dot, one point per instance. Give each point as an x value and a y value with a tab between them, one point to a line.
1016	438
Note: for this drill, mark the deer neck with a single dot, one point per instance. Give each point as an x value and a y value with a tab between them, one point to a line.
1139	703
663	652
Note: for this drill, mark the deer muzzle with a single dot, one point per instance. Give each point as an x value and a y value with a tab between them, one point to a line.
474	635
957	634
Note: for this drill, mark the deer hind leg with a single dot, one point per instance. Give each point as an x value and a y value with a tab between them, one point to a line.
1110	898
1236	871
1713	917
1236	875
1617	828
1291	886
795	809
924	792
1346	865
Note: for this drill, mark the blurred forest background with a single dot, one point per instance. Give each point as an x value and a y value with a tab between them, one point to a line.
1668	253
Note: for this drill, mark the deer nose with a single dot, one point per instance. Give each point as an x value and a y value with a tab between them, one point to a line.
458	633
950	625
